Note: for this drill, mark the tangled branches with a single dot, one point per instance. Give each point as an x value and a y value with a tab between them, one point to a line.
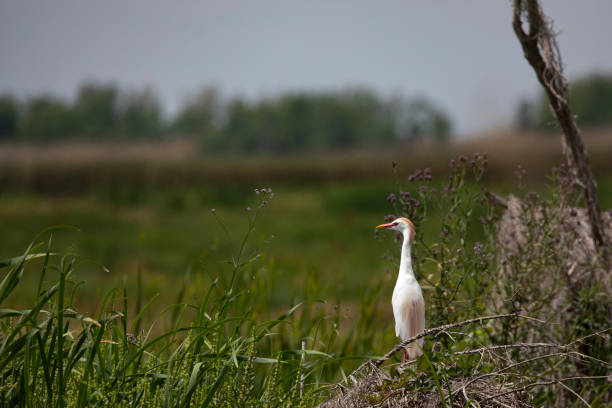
487	376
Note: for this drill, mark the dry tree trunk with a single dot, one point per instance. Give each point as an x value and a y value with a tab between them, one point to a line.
540	49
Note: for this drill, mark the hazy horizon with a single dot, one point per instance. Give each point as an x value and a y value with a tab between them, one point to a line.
463	56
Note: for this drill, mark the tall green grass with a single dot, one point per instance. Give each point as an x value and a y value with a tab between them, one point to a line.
225	346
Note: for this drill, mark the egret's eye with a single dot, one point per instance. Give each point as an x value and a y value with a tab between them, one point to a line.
394	224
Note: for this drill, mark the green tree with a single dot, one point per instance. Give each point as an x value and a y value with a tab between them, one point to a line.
140	115
322	120
199	115
47	118
96	108
590	100
240	131
297	119
418	118
356	117
9	117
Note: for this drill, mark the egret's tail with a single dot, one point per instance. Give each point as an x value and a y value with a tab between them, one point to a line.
414	316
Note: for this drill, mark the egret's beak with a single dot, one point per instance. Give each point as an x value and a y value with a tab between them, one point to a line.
388	225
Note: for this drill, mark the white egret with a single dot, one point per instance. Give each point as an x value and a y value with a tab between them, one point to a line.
407	300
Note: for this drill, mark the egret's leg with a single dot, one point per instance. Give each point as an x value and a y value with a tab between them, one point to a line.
405	356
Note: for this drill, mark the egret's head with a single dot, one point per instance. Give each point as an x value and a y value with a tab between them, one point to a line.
401	224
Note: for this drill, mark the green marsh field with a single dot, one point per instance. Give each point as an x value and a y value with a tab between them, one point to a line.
154	214
163	229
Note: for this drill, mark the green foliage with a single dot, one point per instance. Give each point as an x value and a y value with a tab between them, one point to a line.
96	109
290	122
199	115
326	120
47	118
216	346
140	115
9	117
417	118
590	101
100	112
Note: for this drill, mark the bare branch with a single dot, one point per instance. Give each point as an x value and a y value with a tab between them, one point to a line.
440	329
509	346
574	392
541	51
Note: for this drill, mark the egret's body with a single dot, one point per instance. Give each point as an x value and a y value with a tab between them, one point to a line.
407	301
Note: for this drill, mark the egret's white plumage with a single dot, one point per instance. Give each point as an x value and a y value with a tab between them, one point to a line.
407	301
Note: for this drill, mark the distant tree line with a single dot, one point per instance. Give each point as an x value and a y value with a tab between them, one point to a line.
99	111
590	100
288	122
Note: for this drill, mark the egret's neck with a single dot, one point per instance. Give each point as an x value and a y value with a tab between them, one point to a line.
406	260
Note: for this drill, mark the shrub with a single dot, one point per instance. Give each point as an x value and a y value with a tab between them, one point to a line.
533	301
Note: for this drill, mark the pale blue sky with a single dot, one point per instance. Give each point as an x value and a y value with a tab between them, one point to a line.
462	54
